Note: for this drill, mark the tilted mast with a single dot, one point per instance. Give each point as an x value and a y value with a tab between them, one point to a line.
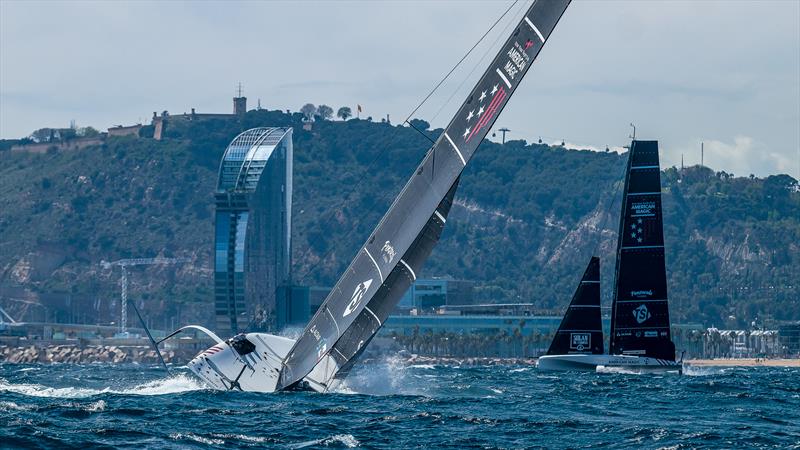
389	261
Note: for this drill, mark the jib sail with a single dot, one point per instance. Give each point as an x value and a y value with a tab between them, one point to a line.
581	329
394	253
640	323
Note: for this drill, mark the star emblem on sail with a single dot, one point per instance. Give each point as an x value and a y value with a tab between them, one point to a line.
636	231
487	109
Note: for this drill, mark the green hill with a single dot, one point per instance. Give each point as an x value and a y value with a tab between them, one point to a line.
526	220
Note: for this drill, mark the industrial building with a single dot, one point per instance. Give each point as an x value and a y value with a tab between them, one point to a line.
252	255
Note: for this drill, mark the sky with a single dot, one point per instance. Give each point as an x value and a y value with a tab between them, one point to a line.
726	73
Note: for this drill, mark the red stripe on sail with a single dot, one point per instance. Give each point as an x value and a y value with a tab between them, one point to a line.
489	113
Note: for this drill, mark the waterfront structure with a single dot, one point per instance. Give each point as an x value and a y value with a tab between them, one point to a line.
428	294
252	256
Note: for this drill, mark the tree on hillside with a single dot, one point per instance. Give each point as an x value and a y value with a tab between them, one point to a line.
309	110
419	124
43	135
325	112
344	113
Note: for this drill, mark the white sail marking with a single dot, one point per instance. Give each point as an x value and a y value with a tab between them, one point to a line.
504	78
642	246
591	281
413	275
441	217
455	147
376	264
535	30
338	333
373	315
643	167
340	353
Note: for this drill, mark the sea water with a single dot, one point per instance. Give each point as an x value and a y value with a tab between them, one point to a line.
393	405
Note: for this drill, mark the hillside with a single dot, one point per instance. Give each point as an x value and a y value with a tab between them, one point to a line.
526	220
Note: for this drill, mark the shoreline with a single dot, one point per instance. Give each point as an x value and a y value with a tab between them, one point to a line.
744	362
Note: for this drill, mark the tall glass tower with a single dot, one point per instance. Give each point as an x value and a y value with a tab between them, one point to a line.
252	257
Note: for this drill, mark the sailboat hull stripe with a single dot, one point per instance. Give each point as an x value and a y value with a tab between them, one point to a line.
505	80
643	246
441	217
413	275
373	315
535	30
456	148
376	264
338	332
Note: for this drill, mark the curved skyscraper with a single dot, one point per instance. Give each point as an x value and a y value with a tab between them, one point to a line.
252	257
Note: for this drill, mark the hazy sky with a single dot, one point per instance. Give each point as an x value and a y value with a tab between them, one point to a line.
726	73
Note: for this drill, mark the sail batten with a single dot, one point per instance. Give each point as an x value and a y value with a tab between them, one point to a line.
393	255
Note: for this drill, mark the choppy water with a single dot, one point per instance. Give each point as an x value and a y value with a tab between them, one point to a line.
393	406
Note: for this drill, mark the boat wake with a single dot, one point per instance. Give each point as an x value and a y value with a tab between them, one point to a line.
389	376
172	385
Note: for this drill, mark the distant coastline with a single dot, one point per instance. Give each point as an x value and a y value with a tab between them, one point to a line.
744	362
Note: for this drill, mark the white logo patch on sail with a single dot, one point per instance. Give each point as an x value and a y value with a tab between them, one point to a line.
580	341
641	314
358	294
387	252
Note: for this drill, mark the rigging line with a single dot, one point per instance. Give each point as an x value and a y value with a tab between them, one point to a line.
391	138
420	132
478	63
461	60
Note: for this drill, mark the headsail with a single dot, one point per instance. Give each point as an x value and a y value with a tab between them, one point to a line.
380	273
581	329
640	313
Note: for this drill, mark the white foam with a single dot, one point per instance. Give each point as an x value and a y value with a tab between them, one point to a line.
345	439
173	385
703	371
196	438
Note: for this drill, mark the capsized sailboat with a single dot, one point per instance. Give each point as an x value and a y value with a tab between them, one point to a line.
395	251
580	333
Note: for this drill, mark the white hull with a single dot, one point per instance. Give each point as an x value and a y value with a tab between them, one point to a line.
579	362
225	369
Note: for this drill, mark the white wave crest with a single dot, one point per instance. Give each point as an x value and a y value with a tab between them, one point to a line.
172	385
344	439
703	371
196	438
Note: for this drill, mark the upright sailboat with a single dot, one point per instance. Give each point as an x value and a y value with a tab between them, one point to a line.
640	326
395	251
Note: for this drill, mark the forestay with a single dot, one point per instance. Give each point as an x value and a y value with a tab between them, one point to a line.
385	266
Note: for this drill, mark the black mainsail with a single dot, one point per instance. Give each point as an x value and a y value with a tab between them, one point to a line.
581	329
388	263
640	323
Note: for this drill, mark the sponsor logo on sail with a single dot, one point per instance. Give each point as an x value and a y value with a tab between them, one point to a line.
321	348
641	314
387	252
580	341
651	334
642	294
355	299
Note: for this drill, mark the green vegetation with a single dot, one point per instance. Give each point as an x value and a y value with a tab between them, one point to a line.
527	219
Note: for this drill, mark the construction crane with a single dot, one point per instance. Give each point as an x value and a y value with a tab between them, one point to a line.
124	264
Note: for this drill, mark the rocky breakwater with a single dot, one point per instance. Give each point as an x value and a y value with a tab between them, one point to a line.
76	354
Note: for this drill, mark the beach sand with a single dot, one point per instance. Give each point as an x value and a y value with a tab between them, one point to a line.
744	362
